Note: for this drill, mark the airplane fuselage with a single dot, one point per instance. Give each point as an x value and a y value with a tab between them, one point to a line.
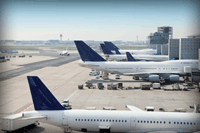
120	121
145	51
141	57
172	66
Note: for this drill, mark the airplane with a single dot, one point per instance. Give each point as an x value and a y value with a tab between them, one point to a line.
120	57
152	71
112	47
108	52
49	110
65	53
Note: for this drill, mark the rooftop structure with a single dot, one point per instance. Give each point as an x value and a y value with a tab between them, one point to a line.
161	36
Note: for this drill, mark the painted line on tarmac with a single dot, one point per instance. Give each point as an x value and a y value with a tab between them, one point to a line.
72	94
54	90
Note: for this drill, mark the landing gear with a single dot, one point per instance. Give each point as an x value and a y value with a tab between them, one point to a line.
162	80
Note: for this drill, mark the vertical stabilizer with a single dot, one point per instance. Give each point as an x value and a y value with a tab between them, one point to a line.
117	51
105	51
87	53
130	57
110	46
42	97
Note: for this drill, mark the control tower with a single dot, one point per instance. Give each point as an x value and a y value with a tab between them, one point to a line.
61	37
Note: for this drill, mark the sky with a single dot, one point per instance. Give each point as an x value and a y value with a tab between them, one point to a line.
100	20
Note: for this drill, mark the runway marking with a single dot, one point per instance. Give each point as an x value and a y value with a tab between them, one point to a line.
72	94
54	90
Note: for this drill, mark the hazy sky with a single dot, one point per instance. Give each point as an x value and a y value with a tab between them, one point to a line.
96	19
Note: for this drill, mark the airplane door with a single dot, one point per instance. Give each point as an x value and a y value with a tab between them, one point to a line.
133	122
65	119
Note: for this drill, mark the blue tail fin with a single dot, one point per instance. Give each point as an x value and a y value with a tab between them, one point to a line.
42	97
117	52
130	57
110	46
114	45
105	51
86	53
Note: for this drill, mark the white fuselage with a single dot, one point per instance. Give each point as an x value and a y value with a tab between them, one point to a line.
144	51
120	121
64	53
140	57
171	66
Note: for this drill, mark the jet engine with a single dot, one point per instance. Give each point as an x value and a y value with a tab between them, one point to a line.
174	78
153	78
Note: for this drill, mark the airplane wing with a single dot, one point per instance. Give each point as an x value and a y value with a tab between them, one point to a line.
133	108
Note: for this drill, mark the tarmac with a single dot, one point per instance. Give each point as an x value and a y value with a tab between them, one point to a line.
62	75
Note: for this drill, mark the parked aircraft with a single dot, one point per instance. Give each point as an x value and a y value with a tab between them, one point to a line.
118	56
65	53
112	47
49	110
108	52
151	71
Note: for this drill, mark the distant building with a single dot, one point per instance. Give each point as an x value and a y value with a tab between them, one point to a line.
2	42
173	49
194	36
158	47
161	36
164	49
199	59
9	40
166	29
153	46
189	48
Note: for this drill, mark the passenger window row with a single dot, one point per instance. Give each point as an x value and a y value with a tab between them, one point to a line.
163	122
100	120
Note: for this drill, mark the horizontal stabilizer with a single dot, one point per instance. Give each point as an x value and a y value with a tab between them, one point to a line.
133	108
87	53
42	97
35	117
